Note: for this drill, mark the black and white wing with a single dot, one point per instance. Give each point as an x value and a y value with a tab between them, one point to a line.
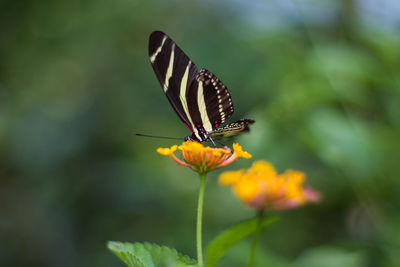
200	99
175	72
214	103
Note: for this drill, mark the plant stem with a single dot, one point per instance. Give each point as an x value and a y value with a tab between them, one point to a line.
257	232
199	219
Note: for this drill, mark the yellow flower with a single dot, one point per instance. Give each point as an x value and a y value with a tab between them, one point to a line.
262	187
167	151
204	159
239	151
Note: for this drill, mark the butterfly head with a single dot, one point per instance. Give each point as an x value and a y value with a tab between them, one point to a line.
199	135
195	138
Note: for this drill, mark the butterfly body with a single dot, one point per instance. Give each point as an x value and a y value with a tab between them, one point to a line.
232	129
200	99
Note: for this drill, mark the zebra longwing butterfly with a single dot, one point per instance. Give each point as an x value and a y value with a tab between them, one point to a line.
199	98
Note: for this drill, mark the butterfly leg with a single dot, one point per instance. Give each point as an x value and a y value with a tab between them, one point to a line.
212	141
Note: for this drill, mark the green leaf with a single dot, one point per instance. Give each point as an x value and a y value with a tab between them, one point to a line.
217	248
149	255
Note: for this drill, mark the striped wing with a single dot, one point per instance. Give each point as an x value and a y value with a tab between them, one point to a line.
215	102
200	99
175	72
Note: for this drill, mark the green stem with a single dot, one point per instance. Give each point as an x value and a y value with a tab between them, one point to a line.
199	219
257	232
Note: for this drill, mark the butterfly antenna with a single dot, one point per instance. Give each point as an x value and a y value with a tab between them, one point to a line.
157	136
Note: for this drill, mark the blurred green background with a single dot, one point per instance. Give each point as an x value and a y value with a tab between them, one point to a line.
321	78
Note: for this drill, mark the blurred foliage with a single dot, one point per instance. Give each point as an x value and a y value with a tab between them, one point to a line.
321	78
138	254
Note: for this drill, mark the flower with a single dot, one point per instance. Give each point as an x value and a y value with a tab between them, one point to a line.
262	187
204	159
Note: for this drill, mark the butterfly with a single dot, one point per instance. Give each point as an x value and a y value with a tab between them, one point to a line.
200	99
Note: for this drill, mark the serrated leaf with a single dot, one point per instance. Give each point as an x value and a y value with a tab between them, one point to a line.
217	248
149	255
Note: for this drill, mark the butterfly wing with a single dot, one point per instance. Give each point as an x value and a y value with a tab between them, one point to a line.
175	72
200	99
214	103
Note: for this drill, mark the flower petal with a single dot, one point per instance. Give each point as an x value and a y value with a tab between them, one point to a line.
246	190
230	177
167	151
239	151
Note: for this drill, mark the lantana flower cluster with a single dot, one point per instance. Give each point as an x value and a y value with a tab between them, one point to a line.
262	187
204	159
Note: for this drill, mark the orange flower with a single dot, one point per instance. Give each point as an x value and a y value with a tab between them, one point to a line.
204	159
262	187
